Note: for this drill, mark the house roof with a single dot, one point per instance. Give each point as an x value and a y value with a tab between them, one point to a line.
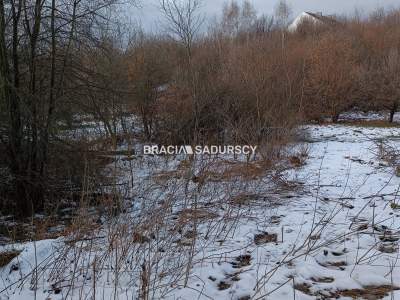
316	18
329	19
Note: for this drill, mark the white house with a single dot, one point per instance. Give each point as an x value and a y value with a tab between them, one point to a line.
313	18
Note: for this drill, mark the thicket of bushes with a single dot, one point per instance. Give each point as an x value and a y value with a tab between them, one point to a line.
249	76
247	80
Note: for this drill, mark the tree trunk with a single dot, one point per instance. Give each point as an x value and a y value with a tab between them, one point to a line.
335	118
393	110
9	97
45	142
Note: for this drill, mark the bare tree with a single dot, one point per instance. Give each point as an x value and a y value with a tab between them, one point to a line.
283	12
39	45
148	74
183	20
332	82
237	18
231	18
248	15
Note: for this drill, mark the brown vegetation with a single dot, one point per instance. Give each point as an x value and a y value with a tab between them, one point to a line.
245	81
247	84
7	256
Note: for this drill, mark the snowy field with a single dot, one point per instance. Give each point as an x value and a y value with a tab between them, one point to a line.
331	230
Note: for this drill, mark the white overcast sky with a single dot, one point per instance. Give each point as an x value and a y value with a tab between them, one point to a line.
148	15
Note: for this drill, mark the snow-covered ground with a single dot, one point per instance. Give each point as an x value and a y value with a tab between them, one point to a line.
331	230
357	115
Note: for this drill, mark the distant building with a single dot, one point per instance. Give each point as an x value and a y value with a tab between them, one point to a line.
313	18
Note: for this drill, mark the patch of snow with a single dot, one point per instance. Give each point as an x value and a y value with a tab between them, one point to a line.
333	227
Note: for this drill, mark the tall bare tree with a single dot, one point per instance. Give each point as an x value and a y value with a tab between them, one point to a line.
183	20
39	42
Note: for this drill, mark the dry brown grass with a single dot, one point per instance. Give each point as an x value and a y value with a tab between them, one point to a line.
188	215
224	170
371	123
165	176
368	292
242	199
264	238
7	256
218	171
372	292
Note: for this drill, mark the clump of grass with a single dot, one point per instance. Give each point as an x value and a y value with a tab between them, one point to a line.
7	256
371	292
390	155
